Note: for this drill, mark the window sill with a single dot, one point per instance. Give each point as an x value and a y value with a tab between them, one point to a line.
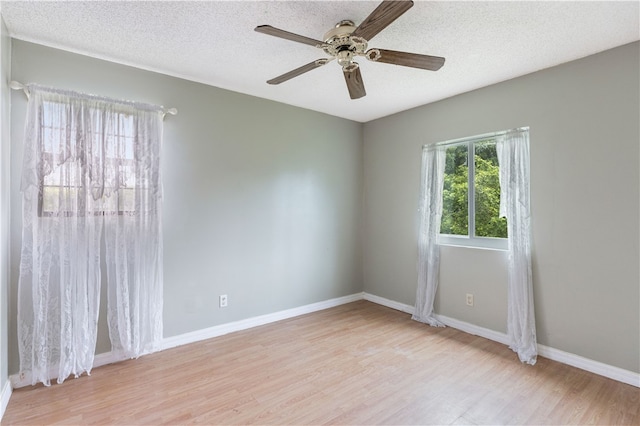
500	244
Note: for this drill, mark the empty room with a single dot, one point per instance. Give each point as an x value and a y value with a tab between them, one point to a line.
320	212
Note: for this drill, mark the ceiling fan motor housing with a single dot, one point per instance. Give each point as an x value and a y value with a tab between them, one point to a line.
340	44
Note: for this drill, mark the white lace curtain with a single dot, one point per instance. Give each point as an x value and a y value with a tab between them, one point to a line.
432	183
91	165
513	156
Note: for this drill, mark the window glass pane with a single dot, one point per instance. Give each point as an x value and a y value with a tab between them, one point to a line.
487	192
127	199
117	174
455	194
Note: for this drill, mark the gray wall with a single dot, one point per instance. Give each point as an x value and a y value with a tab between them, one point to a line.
585	143
5	152
262	200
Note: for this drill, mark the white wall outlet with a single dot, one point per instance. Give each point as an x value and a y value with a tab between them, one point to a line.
469	299
223	301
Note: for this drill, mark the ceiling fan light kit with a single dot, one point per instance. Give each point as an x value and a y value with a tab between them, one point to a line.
346	41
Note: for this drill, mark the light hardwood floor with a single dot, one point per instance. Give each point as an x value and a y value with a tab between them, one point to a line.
358	363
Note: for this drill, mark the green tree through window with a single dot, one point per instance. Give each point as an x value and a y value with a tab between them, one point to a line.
485	191
455	194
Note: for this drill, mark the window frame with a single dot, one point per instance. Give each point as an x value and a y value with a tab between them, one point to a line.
471	240
120	209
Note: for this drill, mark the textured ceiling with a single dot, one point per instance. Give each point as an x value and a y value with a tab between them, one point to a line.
213	42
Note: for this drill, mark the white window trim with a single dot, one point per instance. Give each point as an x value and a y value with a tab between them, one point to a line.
472	240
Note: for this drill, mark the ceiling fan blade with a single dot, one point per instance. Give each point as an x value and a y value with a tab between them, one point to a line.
354	83
387	12
425	62
269	30
294	73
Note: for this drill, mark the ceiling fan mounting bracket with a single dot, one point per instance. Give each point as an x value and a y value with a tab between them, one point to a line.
342	28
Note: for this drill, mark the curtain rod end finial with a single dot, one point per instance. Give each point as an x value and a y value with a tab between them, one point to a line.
16	85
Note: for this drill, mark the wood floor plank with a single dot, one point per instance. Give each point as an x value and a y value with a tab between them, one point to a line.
358	363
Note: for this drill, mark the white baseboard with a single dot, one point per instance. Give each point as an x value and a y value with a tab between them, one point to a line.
22	380
615	373
107	358
450	322
389	303
596	367
219	330
469	328
4	398
18	381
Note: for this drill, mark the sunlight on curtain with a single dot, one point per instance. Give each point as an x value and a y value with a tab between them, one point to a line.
432	182
91	165
513	156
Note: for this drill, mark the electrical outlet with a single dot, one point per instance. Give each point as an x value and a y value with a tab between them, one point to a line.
223	301
469	299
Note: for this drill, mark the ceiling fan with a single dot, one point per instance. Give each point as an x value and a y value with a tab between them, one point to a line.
346	41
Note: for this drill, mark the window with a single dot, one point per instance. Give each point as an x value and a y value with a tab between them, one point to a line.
471	195
81	178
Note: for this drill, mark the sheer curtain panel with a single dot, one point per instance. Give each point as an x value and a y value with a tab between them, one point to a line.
133	237
432	182
91	165
513	156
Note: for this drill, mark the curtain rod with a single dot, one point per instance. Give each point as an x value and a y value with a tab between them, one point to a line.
16	85
476	137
